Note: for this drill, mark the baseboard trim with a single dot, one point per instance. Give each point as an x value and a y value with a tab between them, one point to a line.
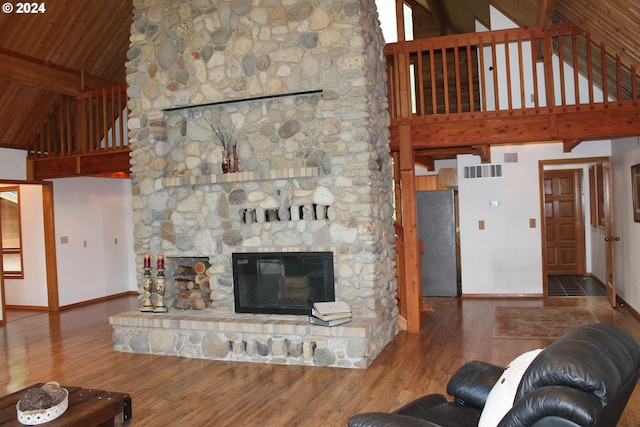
101	299
622	303
499	296
26	307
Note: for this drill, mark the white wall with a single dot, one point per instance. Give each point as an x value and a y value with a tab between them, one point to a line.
506	257
96	211
626	153
30	291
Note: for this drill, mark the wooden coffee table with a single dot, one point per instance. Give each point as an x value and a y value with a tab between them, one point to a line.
87	407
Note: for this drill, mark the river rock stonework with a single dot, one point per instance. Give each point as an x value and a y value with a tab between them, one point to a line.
302	88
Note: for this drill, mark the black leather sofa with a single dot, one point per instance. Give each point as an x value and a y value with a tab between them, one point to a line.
585	378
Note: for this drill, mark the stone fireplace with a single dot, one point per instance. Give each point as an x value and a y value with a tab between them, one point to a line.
301	86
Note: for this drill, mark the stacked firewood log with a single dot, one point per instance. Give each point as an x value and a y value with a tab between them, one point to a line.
192	282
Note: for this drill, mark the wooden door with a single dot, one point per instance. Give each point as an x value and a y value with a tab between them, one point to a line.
564	222
609	232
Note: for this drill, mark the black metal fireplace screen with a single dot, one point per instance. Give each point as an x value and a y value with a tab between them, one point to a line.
282	282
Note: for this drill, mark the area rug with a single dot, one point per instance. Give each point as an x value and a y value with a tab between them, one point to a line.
538	322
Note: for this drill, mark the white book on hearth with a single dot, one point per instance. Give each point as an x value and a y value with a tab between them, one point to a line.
332	307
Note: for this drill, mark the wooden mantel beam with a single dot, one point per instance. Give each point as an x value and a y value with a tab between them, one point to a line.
34	73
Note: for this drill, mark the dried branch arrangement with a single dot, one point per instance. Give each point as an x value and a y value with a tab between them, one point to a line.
223	130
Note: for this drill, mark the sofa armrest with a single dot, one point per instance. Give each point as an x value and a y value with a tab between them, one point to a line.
471	384
381	419
574	406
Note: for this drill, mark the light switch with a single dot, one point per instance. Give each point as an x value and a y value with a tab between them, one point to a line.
481	225
532	223
64	240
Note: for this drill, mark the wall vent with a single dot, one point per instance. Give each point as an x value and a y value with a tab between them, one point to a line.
483	171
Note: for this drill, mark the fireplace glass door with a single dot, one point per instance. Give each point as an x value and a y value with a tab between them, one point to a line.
282	282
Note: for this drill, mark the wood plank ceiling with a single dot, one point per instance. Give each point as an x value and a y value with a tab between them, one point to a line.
92	37
45	54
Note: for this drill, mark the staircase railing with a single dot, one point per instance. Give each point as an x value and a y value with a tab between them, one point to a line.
94	122
518	71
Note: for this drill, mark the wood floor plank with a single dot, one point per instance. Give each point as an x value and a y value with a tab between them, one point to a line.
75	347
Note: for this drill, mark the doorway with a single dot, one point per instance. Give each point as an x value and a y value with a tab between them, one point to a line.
573	249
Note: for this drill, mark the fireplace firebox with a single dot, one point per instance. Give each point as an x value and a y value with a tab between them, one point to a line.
282	282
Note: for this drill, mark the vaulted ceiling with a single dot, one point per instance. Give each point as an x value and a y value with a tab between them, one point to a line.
53	52
83	43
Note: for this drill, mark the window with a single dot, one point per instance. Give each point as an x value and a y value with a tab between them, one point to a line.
11	232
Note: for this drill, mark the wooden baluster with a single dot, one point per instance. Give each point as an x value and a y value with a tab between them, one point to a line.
456	59
547	55
419	79
576	74
589	71
534	61
619	78
605	80
523	100
508	71
445	82
634	85
563	97
496	95
482	76
472	104
434	89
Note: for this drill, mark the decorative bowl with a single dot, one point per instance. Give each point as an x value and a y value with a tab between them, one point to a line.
42	416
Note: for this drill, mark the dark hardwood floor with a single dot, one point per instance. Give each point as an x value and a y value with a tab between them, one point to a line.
74	347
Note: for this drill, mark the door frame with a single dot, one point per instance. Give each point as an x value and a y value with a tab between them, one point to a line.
543	238
3	310
49	240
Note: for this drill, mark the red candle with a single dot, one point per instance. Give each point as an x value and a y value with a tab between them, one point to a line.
147	261
160	262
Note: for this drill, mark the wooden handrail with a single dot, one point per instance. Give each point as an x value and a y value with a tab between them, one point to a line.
93	122
523	70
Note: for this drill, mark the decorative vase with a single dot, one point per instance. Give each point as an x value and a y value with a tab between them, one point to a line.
226	161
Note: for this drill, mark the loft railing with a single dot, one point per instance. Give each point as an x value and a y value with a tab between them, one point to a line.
94	122
525	71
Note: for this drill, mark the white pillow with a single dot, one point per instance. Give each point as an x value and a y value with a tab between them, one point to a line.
501	396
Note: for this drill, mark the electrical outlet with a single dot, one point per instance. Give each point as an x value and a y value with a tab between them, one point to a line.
64	240
532	223
115	241
481	225
84	243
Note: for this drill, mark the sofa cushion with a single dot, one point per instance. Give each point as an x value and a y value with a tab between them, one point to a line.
501	396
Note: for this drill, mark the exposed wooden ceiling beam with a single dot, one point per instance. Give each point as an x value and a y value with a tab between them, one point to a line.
31	72
484	152
546	9
570	144
444	25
